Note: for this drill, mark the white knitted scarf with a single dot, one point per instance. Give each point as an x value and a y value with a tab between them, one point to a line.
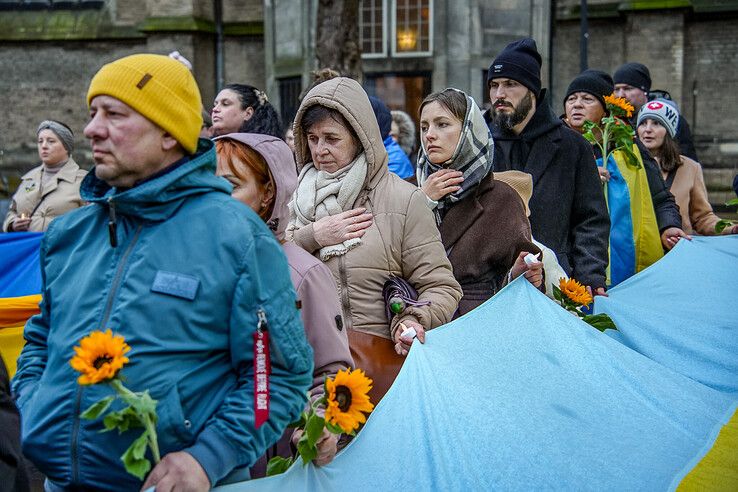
320	194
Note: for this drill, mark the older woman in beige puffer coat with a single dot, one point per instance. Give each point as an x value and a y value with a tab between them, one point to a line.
366	224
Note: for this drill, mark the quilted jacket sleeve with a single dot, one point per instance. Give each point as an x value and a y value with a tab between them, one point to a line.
230	438
426	267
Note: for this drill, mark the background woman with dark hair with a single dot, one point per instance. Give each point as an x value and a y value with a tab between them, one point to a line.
657	125
244	108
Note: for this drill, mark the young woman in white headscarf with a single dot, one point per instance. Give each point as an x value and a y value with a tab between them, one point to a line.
368	226
483	222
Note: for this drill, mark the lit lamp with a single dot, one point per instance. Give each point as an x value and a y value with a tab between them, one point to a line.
407	39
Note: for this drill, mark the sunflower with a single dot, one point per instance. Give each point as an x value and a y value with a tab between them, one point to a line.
99	357
348	399
575	292
621	103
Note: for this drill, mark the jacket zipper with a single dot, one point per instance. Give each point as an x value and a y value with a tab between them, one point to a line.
345	301
75	432
108	307
116	281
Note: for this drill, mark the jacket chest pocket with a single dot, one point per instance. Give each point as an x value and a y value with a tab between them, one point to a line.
176	285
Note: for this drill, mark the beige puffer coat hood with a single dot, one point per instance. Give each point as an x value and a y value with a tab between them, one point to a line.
403	239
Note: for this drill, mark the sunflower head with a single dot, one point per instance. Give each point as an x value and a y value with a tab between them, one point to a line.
619	105
347	399
575	292
99	357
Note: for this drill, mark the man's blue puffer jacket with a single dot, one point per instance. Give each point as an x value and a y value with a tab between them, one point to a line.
191	270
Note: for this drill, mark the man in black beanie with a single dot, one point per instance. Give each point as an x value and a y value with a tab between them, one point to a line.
567	210
633	82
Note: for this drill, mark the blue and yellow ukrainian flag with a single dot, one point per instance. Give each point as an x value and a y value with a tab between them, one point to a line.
635	242
20	287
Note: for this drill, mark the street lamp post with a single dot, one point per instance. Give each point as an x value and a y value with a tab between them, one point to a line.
584	35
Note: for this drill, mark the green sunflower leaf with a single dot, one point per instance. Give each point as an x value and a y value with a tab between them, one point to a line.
134	458
307	452
97	409
557	293
722	224
278	465
313	429
145	404
122	420
600	321
333	428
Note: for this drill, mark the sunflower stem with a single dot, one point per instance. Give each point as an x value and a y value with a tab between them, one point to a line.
153	441
605	138
122	390
146	419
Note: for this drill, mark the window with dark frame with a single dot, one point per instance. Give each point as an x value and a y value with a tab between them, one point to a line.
397	28
289	99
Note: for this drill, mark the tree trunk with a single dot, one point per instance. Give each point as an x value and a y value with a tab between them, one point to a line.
337	37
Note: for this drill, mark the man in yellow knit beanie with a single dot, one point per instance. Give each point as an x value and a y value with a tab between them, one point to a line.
191	279
161	91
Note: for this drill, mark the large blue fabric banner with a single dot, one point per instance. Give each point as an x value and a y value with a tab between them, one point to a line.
681	311
521	395
20	274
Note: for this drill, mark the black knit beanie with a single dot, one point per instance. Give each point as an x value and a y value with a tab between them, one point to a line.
519	61
595	82
634	74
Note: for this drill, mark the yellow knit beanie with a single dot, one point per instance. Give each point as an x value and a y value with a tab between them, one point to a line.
158	87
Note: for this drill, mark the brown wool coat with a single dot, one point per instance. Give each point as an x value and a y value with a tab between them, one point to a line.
690	194
483	235
59	197
403	239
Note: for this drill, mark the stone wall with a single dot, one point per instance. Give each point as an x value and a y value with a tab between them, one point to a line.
47	58
51	83
710	83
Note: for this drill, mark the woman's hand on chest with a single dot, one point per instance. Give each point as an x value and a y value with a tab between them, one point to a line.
336	229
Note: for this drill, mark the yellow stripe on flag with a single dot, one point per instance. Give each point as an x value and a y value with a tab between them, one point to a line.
718	470
14	312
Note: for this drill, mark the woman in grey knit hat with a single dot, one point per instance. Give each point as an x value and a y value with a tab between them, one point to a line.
48	190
